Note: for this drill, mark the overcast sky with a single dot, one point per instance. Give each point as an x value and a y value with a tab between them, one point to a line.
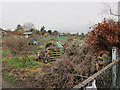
61	16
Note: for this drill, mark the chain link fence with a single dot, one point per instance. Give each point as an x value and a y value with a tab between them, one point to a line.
108	77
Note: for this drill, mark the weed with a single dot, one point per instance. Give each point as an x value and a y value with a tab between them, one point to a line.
9	77
38	66
5	53
14	63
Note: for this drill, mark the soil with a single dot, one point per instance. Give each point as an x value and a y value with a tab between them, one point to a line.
6	84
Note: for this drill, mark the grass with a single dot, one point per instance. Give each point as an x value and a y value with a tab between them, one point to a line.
5	53
9	77
38	66
15	63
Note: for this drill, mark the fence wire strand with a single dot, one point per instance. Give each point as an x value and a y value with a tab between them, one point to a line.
105	78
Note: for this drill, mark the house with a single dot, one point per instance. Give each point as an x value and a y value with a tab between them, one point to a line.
27	34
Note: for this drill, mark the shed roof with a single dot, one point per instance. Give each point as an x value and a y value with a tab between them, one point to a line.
27	33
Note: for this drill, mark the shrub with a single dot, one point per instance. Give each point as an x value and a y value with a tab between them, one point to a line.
15	42
103	35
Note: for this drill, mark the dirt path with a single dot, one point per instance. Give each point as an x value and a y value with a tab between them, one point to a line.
6	84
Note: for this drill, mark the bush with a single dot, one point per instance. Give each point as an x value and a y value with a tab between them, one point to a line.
103	35
15	42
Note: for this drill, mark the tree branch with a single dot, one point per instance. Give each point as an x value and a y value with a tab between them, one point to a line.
111	10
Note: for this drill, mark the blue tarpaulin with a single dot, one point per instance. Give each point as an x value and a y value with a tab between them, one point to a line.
61	37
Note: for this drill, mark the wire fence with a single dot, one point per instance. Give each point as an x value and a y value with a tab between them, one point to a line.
108	77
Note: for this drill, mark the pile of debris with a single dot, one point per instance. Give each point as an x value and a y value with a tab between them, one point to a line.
77	62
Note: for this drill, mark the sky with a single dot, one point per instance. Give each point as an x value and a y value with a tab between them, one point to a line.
62	16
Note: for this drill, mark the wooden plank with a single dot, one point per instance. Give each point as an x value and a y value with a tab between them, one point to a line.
52	57
55	54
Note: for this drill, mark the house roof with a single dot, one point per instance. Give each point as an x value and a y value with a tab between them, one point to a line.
27	33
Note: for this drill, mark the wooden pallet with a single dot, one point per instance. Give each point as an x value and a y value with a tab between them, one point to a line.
54	54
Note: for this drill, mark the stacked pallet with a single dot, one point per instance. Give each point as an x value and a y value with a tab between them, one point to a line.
53	54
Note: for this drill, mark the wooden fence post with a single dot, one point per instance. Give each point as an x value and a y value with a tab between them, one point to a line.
114	76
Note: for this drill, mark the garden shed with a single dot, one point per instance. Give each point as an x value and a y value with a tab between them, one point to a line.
27	34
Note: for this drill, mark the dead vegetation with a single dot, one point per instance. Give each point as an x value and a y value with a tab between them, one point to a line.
66	72
79	60
14	42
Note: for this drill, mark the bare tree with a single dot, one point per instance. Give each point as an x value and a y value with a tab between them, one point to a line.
28	26
110	9
114	13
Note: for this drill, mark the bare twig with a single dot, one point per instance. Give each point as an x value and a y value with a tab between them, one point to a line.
111	10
